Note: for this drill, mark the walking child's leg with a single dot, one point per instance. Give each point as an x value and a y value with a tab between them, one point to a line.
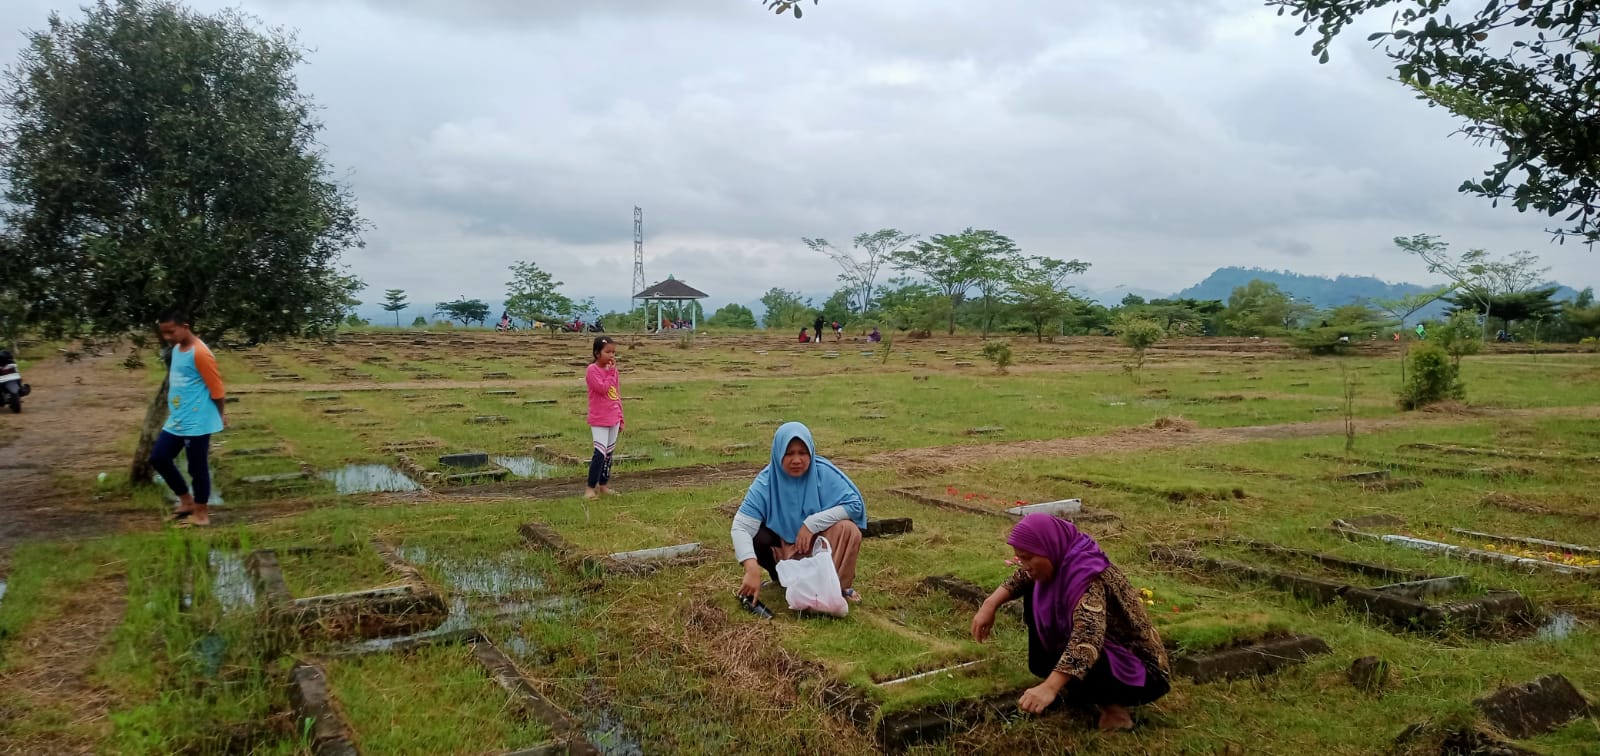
198	450
597	462
611	448
162	458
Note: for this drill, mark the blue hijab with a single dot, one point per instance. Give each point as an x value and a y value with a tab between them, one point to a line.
783	502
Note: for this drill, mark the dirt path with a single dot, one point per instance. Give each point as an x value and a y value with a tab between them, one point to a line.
51	705
70	430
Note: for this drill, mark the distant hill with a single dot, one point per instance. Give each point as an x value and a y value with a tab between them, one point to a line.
1322	291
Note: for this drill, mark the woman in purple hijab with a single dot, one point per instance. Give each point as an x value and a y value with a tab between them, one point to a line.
1088	634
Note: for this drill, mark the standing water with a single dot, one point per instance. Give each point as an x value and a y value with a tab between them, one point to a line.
230	583
1558	627
356	479
526	467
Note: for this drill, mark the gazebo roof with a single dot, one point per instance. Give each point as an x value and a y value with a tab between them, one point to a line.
671	288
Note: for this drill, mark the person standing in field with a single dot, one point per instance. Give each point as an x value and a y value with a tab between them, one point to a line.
196	409
816	328
605	415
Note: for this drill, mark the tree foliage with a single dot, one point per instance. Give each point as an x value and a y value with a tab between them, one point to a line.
954	263
1139	334
468	311
394	300
733	316
1479	278
533	294
781	7
784	308
1522	75
1261	309
859	267
1040	294
1433	378
154	156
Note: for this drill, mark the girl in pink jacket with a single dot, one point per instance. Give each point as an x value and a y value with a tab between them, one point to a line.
605	414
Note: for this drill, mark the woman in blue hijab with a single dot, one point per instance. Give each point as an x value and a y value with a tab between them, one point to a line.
797	497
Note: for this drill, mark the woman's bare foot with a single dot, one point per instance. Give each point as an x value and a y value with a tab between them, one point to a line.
590	495
852	595
605	490
185	507
1114	718
200	516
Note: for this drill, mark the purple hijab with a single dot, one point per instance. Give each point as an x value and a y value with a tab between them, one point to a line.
1078	560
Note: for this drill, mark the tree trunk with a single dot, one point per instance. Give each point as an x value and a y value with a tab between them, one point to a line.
154	417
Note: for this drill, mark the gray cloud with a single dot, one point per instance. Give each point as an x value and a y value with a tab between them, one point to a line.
1157	140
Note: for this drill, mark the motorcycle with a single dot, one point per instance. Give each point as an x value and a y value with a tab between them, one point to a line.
12	389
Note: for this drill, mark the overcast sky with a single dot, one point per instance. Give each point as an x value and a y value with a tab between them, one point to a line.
1157	140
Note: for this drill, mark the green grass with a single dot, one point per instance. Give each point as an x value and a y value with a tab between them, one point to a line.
432	700
670	656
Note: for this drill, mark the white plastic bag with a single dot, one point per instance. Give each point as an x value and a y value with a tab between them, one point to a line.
812	582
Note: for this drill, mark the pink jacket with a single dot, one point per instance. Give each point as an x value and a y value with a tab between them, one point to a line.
605	398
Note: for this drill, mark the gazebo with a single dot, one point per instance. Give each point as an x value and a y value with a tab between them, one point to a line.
670	290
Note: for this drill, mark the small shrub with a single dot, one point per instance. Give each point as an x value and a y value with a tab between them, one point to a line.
419	322
1590	343
1433	378
1459	336
999	353
1139	334
685	341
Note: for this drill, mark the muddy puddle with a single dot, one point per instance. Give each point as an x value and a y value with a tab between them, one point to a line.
358	479
1560	626
478	577
230	582
610	738
526	467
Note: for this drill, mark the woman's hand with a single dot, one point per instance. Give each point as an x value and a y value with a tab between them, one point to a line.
983	623
1037	698
802	540
751	585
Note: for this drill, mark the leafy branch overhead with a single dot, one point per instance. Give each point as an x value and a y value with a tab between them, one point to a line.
781	7
1523	75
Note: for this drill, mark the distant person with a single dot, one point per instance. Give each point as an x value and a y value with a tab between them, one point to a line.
804	337
605	415
838	331
196	409
816	328
874	337
1088	634
505	322
797	498
1422	331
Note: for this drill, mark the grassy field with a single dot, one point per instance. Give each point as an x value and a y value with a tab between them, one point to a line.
1214	440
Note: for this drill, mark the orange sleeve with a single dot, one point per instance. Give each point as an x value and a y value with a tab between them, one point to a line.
206	363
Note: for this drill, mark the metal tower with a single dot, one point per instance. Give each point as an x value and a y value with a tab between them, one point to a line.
638	252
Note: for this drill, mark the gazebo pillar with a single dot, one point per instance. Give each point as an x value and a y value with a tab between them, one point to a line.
694	318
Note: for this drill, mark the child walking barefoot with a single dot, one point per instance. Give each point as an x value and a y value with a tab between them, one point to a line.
605	415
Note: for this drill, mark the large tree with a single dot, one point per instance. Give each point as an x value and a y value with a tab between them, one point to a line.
1479	277
533	294
1260	308
153	157
784	308
1522	75
859	268
733	316
394	300
468	311
1040	292
954	263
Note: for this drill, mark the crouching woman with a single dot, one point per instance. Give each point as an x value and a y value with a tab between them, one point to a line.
797	498
1088	634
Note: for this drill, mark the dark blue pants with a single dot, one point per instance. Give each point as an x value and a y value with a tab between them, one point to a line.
196	448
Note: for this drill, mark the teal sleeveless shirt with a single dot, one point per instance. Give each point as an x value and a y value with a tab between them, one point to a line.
190	411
